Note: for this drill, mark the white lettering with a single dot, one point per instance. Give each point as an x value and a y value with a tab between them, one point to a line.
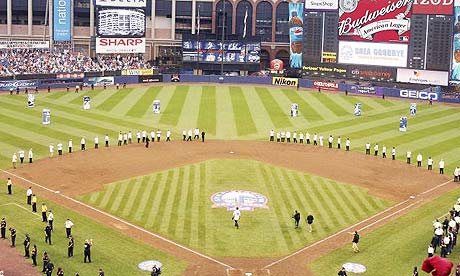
421	95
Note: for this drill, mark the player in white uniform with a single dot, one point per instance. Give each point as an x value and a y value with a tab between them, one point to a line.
338	142
130	137
376	150
236	217
408	156
321	140
288	136
441	166
347	144
330	140
70	146
51	147
14	159
106	140
393	153
272	135
168	135
307	138
315	139
31	156
83	143
138	137
384	151
21	156
120	138
419	160
59	148
430	163
96	142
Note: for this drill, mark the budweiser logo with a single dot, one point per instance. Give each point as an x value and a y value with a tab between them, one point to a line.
349	24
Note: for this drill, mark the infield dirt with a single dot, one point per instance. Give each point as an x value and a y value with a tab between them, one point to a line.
85	172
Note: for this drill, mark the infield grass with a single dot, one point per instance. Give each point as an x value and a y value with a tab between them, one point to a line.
176	203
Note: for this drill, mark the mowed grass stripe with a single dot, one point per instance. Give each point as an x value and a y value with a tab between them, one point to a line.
122	197
227	123
279	118
323	201
305	109
203	197
132	195
331	104
207	118
128	101
143	105
181	207
187	229
55	95
174	213
164	201
150	222
106	198
148	184
151	198
115	99
190	110
243	119
173	109
259	115
347	211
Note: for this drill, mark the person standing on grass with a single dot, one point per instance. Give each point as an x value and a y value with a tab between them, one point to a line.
307	138
347	144
189	135
70	145
120	138
3	228
51	219
60	272
70	246
130	137
456	174
321	140
408	156
301	137
330	140
342	272
168	135
144	135
34	255
34	203
376	149
46	260
96	142
309	220
14	160
27	246
48	234
272	135
338	142
294	137
68	227
368	148
44	210
355	241
59	148
441	166
87	250
31	156
296	218
288	136
9	185
384	151
184	135
125	139
21	156
415	272
236	217
13	236
278	137
51	147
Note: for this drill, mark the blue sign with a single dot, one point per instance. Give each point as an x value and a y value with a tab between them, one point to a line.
46	117
296	34
21	84
403	124
61	20
245	200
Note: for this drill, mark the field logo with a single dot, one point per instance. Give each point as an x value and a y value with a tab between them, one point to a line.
354	267
148	265
246	200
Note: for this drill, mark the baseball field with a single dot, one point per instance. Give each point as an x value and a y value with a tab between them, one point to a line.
142	204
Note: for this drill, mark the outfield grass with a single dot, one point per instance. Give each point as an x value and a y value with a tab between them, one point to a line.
176	203
113	251
395	248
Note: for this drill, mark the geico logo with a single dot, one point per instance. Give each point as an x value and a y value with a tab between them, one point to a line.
434	2
120	41
325	84
422	95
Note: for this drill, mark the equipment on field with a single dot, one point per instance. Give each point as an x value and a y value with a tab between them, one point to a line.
294	110
156	106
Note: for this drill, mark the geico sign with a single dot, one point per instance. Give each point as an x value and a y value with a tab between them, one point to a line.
121	41
421	95
434	2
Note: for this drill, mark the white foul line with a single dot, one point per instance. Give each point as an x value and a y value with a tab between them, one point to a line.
22	207
121	220
361	222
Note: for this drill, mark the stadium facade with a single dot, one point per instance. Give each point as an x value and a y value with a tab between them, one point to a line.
166	23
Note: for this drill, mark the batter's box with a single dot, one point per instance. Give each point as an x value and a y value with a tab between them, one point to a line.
241	272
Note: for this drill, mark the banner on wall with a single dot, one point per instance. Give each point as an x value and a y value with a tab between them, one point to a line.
120	45
296	33
280	81
381	54
423	77
61	20
327	85
376	21
445	7
24	44
321	5
455	70
137	72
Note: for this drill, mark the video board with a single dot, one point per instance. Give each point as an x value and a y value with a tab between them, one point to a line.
211	51
119	22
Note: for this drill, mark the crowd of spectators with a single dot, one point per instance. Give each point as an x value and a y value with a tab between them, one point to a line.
40	61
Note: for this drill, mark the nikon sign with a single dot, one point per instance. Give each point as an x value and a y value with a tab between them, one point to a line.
285	81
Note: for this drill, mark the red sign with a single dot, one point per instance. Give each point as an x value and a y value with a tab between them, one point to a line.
375	21
433	7
326	85
276	65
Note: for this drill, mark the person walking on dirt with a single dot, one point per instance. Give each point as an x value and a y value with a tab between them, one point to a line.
3	228
236	217
355	241
189	135
168	135
309	220
296	218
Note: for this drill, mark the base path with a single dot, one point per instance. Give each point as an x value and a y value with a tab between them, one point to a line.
85	172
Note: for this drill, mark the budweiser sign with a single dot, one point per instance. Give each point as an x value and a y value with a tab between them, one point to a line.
377	21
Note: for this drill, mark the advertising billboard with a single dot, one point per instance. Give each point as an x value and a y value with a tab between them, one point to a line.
105	45
376	21
296	33
335	70
116	22
61	20
371	73
281	81
445	7
423	77
211	51
122	3
455	73
327	85
24	44
321	5
380	54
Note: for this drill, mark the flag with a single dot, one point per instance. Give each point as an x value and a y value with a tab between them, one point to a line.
198	21
245	22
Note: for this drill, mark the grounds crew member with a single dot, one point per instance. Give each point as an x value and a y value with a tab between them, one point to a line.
3	228
31	156
27	246
9	185
236	217
408	155
309	220
70	145
34	203
441	166
29	196
44	210
70	247
296	218
419	160
59	148
87	250
21	156
48	234
430	163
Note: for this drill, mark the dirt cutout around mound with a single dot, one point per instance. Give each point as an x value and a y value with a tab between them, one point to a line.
85	172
